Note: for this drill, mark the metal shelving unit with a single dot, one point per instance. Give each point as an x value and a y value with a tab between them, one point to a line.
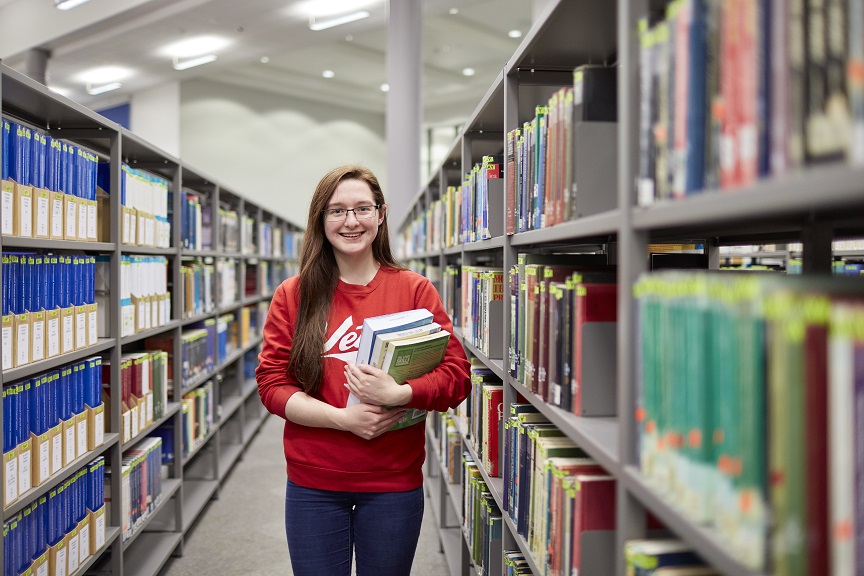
812	205
183	496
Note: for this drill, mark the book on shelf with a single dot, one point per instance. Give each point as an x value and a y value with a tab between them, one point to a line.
647	556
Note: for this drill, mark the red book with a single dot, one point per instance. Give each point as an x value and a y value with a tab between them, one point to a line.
493	400
593	510
595	303
816	446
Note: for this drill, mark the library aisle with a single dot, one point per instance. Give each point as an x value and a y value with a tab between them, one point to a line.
243	531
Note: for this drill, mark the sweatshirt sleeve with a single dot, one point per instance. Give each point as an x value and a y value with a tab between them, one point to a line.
449	383
275	386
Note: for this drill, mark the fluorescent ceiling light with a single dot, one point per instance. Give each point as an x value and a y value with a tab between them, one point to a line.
320	8
328	74
104	75
468	72
192	62
197	46
265	59
317	23
454	11
385	87
94	89
68	4
514	33
60	91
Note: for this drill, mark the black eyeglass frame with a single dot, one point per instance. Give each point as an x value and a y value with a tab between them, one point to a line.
324	211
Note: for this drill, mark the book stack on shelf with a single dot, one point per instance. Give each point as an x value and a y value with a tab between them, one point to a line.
95	275
711	409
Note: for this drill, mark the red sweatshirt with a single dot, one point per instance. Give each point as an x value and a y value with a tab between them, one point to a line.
337	460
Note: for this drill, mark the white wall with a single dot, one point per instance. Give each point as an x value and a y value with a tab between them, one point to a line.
274	148
154	115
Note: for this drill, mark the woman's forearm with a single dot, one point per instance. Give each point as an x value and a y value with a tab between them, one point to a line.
308	411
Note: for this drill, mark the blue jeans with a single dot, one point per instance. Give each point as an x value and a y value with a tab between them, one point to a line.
323	526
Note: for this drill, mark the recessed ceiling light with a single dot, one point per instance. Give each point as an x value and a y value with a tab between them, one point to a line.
514	33
185	64
385	87
104	75
68	4
317	23
454	11
349	38
94	89
196	46
265	60
468	72
328	74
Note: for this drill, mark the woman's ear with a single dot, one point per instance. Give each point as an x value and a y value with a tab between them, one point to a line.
381	213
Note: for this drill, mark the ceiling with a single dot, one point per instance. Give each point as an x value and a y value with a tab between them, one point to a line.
270	47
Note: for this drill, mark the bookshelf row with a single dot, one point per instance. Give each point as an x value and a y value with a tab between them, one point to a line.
639	148
135	289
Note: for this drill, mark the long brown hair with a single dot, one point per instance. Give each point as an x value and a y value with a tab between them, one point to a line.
319	276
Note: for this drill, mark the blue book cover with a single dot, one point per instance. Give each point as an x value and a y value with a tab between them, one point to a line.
29	295
387	323
38	386
38	286
24	401
42	526
7	152
10	437
53	417
71	181
697	105
64	406
40	149
7	285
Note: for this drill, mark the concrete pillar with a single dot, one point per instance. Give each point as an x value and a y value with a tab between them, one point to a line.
36	64
404	114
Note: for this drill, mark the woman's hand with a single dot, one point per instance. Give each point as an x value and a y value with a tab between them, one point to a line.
374	386
368	421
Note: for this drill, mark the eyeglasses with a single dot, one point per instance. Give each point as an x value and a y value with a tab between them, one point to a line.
340	214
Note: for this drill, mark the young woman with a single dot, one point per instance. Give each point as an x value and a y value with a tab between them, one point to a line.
352	485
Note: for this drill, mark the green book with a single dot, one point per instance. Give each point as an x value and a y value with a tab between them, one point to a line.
410	358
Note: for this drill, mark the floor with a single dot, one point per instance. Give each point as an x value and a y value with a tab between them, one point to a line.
242	532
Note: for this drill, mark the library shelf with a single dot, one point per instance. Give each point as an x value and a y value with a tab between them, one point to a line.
48	244
450	538
523	544
170	486
34	106
111	534
151	552
171	409
496	364
229	454
598	436
252	425
49	364
148	250
250	386
196	494
197	380
788	198
453	250
495	243
598	225
230	406
64	473
702	539
167	327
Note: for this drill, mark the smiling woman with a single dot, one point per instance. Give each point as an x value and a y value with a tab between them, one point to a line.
353	487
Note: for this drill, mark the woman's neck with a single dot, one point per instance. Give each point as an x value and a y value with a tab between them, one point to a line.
360	274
